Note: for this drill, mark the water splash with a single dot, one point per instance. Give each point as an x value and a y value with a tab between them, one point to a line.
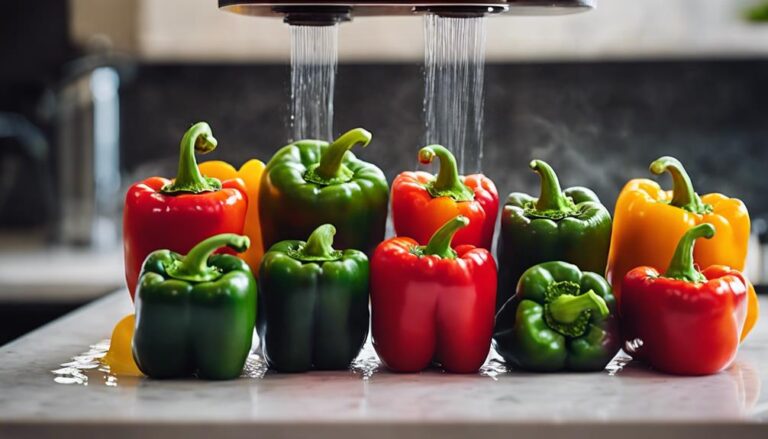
494	366
255	366
89	367
454	73
81	368
367	362
314	60
618	363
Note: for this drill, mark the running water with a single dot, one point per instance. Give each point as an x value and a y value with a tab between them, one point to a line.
314	58
454	61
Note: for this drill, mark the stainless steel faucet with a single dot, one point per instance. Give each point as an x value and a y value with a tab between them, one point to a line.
88	159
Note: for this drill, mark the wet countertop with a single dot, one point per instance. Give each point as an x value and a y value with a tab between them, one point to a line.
626	401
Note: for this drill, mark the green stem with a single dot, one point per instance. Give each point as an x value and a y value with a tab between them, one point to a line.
198	138
440	242
683	195
331	169
319	246
681	266
567	308
551	198
447	183
193	267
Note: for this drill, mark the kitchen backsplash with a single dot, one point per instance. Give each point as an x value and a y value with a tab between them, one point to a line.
598	124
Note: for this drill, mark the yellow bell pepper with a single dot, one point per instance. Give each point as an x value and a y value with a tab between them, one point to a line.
250	173
119	357
648	223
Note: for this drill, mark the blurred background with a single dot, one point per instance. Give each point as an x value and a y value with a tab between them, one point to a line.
96	94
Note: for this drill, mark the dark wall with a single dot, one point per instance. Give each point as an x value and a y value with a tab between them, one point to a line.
598	124
34	49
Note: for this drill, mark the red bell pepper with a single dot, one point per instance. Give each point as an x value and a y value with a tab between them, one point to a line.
422	203
432	302
178	214
685	322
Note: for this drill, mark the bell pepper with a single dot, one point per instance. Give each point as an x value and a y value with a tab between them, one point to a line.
560	318
195	313
176	215
649	222
432	303
310	183
684	321
119	357
570	226
422	203
250	173
314	303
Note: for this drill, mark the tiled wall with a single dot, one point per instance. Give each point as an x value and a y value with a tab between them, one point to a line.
598	124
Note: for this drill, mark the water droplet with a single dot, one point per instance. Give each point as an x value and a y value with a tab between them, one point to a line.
632	346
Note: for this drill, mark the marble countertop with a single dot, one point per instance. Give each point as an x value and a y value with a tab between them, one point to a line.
625	402
68	275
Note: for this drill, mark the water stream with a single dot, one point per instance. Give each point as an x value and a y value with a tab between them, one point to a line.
454	66
314	60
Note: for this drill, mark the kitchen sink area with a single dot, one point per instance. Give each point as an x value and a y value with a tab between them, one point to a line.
384	218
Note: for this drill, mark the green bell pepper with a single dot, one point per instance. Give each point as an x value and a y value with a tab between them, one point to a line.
195	313
559	318
314	304
569	225
309	183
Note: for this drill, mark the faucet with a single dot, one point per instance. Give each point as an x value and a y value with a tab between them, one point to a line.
88	147
324	13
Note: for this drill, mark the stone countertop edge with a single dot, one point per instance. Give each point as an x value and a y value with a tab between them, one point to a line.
636	403
379	430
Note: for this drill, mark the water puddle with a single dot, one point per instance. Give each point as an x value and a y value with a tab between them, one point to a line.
88	368
367	364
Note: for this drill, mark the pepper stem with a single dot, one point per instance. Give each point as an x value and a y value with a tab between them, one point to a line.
683	195
447	183
440	242
193	267
681	266
198	138
330	169
551	198
319	246
567	308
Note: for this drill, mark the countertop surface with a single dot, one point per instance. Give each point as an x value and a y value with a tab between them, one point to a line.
626	400
57	274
